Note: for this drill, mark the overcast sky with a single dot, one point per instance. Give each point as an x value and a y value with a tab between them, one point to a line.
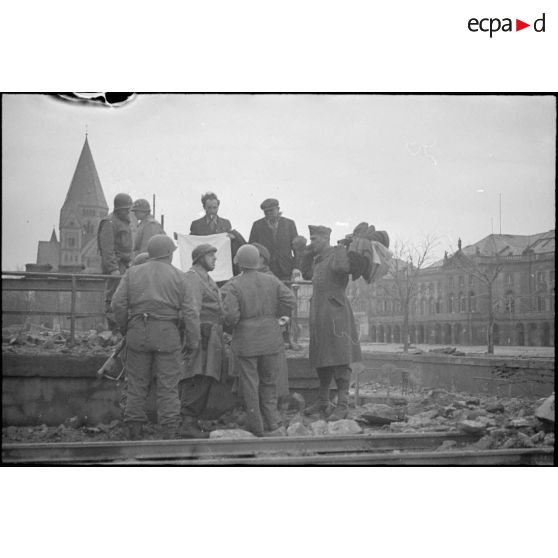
410	165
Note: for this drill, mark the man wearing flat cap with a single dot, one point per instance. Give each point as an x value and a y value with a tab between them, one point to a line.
334	343
276	233
203	366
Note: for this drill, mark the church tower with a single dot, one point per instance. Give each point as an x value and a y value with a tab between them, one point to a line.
83	209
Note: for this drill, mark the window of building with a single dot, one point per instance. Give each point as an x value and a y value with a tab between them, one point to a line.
509	303
461	281
541	303
508	279
472	301
450	304
471	277
439	306
386	306
423	307
551	275
71	242
462	303
450	282
540	277
431	306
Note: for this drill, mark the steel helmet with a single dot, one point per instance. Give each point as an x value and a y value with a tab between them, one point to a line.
263	251
122	201
141	258
201	250
141	205
247	257
160	246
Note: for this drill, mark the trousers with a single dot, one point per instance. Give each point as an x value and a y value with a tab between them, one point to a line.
194	393
258	385
153	350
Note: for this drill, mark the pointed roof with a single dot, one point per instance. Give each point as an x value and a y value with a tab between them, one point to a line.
85	188
53	235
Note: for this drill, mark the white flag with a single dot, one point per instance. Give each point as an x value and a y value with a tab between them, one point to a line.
221	241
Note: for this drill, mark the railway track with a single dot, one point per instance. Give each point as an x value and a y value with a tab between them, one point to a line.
378	449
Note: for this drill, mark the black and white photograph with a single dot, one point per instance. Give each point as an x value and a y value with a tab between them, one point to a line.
278	279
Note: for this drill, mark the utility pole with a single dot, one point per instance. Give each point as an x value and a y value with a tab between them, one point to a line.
154	206
500	213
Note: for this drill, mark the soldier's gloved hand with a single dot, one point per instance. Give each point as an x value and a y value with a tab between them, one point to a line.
115	272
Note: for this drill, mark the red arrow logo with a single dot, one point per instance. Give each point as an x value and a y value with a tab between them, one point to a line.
519	25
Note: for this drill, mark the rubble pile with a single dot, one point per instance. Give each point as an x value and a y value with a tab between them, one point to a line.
32	337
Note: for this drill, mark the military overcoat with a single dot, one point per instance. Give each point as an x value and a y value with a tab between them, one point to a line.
333	333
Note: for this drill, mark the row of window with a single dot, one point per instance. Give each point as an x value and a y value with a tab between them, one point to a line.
462	303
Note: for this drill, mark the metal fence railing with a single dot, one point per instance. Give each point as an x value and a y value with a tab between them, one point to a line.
74	283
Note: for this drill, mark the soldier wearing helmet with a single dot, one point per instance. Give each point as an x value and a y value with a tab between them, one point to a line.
203	367
253	302
114	239
152	304
148	226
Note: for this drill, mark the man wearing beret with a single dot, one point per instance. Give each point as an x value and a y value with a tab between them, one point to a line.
276	233
334	340
203	366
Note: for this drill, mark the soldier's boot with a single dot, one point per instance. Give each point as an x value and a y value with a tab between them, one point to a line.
342	408
169	432
322	405
191	429
133	430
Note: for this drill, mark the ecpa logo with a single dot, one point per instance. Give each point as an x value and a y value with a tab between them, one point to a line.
492	25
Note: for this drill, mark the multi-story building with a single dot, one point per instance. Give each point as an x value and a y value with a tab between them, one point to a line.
450	304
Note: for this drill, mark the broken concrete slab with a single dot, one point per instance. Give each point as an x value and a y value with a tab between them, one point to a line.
546	410
379	414
344	427
471	426
320	428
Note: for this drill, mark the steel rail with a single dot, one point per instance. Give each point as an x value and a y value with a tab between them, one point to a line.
75	452
506	457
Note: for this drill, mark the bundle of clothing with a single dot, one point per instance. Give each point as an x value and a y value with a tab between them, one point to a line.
368	251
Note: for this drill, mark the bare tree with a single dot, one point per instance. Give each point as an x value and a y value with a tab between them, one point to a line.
486	269
408	261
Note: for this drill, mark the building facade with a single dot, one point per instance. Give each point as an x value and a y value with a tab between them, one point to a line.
450	304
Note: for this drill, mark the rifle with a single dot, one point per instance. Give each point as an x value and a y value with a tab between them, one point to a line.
110	363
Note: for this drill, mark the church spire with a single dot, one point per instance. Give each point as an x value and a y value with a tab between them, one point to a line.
53	235
85	188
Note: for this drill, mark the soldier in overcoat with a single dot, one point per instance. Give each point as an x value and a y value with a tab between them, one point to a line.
334	340
204	366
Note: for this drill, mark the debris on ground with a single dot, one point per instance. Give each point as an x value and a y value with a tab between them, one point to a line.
33	337
497	422
447	351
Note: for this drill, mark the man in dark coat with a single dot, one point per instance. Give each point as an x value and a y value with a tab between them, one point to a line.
276	233
334	340
211	223
253	302
114	240
203	367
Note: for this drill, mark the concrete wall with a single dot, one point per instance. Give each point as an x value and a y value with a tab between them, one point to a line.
49	388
